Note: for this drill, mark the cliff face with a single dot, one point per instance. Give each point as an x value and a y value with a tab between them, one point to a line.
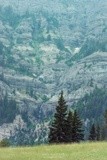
49	46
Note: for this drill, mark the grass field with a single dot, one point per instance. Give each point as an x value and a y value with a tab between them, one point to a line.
83	151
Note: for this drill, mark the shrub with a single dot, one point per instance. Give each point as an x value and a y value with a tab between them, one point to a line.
4	143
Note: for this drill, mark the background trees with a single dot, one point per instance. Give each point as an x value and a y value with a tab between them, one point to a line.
92	136
8	109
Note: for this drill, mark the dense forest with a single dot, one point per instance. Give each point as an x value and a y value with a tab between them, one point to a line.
8	110
93	105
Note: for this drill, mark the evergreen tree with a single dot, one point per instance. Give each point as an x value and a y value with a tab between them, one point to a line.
98	133
103	133
104	127
105	124
77	131
8	109
69	126
58	128
93	134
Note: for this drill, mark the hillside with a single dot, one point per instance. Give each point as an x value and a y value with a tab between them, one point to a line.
47	46
88	151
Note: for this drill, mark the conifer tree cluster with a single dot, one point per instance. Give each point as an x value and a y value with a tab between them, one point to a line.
66	126
8	109
99	132
95	133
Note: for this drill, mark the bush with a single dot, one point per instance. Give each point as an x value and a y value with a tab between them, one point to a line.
4	143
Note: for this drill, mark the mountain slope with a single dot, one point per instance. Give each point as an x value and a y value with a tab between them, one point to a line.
49	46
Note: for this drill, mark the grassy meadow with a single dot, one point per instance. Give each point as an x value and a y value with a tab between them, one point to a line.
83	151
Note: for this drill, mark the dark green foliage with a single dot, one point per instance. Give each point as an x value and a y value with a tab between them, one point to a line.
98	133
7	15
60	44
4	143
52	21
89	47
6	57
105	117
77	131
104	126
58	128
66	127
93	105
103	133
2	54
74	131
69	126
1	48
8	110
2	77
93	134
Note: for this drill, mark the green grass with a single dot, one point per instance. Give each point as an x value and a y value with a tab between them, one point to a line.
83	151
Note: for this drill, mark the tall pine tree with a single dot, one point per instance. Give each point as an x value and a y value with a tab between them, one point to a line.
98	133
58	128
93	134
77	131
69	127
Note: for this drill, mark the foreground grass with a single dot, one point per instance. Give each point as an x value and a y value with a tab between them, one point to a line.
84	151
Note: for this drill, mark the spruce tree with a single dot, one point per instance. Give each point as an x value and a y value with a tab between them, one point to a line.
105	124
98	133
69	127
105	117
93	134
58	128
77	131
104	127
